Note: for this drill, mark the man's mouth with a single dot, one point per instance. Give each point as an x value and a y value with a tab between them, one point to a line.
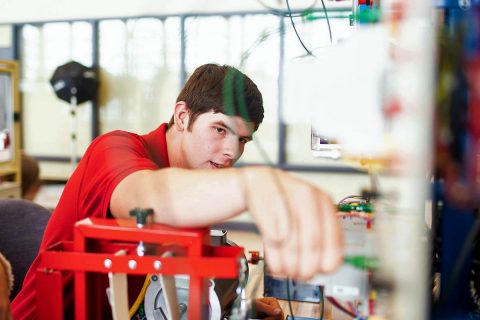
215	165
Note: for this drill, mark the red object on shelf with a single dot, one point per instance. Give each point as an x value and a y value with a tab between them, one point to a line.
92	252
366	2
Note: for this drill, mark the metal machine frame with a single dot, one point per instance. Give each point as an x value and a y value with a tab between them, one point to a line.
93	251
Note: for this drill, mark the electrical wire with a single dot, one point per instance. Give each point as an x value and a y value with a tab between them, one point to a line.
284	13
289	299
337	305
295	29
309	52
356	311
353	198
140	298
264	35
366	217
322	301
328	21
302	13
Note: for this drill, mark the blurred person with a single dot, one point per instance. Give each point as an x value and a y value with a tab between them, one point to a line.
31	182
6	285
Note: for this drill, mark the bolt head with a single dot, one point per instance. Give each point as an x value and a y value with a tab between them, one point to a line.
132	264
107	263
157	265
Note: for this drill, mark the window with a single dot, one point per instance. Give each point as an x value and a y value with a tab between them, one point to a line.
252	44
139	63
44	48
143	62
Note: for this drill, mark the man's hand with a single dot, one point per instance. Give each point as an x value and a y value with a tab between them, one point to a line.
267	308
301	234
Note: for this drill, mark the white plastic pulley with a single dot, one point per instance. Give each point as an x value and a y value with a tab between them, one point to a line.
155	306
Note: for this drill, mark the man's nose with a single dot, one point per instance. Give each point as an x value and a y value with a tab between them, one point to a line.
231	148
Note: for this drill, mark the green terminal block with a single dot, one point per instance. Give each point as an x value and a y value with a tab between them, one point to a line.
366	16
362	262
141	215
359	207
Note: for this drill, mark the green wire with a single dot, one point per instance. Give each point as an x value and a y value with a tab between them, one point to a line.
362	262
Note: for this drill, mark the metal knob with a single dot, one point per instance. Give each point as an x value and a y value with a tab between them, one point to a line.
141	215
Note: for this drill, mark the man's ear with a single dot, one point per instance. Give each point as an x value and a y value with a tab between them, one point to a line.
181	116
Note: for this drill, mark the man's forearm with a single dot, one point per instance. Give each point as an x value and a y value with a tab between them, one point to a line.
181	197
290	213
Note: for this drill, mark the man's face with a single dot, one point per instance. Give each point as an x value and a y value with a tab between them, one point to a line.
215	141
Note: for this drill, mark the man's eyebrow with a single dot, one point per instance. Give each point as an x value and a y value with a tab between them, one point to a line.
223	124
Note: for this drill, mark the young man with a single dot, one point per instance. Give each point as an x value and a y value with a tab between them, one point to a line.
214	117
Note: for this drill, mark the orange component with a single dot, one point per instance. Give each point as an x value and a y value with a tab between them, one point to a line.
254	257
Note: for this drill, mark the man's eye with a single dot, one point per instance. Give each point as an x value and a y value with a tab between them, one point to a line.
220	130
243	140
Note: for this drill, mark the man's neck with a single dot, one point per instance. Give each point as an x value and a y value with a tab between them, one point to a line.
174	147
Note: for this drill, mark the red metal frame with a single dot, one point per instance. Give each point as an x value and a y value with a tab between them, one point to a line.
96	240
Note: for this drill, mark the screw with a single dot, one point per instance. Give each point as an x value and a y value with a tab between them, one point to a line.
107	263
141	249
157	265
132	264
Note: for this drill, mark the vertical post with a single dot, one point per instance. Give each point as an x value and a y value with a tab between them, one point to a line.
16	49
95	64
49	306
80	280
198	294
282	128
183	52
73	132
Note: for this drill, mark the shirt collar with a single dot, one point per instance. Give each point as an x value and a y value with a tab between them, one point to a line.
157	145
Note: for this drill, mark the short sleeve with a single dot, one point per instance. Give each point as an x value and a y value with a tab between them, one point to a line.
110	159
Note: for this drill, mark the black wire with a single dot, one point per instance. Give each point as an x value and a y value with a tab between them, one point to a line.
295	29
328	22
289	299
322	301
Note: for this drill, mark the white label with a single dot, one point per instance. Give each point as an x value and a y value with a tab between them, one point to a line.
345	291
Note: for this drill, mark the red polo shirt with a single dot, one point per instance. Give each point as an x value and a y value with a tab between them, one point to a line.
109	159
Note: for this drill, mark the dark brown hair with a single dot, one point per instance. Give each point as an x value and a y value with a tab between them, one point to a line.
221	89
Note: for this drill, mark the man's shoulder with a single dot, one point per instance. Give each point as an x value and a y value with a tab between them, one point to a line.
117	139
116	135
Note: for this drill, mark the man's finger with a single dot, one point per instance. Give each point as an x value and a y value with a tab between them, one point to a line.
267	306
273	258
